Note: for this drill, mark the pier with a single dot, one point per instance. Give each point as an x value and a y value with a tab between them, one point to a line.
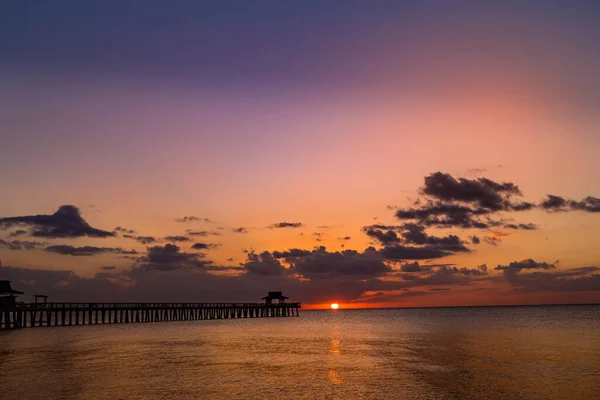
16	315
32	315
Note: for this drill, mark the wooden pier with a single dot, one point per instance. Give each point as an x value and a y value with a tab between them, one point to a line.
33	315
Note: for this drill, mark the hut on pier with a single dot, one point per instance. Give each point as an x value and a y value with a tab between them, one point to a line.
8	295
275	296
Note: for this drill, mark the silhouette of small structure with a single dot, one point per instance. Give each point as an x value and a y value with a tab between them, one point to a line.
8	295
275	296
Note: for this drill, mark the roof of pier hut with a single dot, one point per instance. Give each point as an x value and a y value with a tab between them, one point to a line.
275	295
6	289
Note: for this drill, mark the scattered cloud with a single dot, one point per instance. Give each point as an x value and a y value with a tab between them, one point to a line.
202	233
241	229
177	238
285	225
67	222
554	203
68	250
492	240
20	244
193	219
204	246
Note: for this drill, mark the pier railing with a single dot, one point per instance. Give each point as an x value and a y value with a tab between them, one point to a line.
25	315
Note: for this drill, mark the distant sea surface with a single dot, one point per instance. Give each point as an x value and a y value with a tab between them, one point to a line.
546	352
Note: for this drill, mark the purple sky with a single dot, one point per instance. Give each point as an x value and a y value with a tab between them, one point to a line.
251	114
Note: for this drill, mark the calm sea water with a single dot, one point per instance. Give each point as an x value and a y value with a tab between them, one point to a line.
460	353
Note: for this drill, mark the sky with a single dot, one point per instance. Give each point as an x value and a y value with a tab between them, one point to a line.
372	154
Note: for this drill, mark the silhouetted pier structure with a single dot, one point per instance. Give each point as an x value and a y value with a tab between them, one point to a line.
14	315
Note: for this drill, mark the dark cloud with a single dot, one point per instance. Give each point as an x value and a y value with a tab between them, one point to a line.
385	238
193	219
554	203
291	253
492	240
413	267
475	239
465	203
241	229
264	264
285	225
525	227
170	258
145	239
68	250
401	252
124	231
19	232
589	204
531	276
482	192
20	244
204	246
525	264
437	213
202	233
415	234
441	289
321	264
177	238
64	223
344	238
109	268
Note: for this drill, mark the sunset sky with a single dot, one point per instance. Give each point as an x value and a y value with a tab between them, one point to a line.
368	153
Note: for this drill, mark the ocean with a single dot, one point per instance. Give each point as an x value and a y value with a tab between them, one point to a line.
540	352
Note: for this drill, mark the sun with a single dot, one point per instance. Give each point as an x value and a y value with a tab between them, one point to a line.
335	306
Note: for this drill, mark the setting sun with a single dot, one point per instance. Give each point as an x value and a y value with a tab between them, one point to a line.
335	306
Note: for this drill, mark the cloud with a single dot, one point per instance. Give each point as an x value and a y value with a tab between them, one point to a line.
344	238
385	238
285	225
321	264
291	253
264	264
475	239
554	203
204	246
481	192
241	229
124	231
541	277
415	234
525	264
492	240
202	233
19	232
20	244
413	267
109	268
64	223
177	238
170	258
193	219
401	252
145	239
465	203
525	227
69	250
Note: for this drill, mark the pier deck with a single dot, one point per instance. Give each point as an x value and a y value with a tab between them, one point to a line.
30	315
